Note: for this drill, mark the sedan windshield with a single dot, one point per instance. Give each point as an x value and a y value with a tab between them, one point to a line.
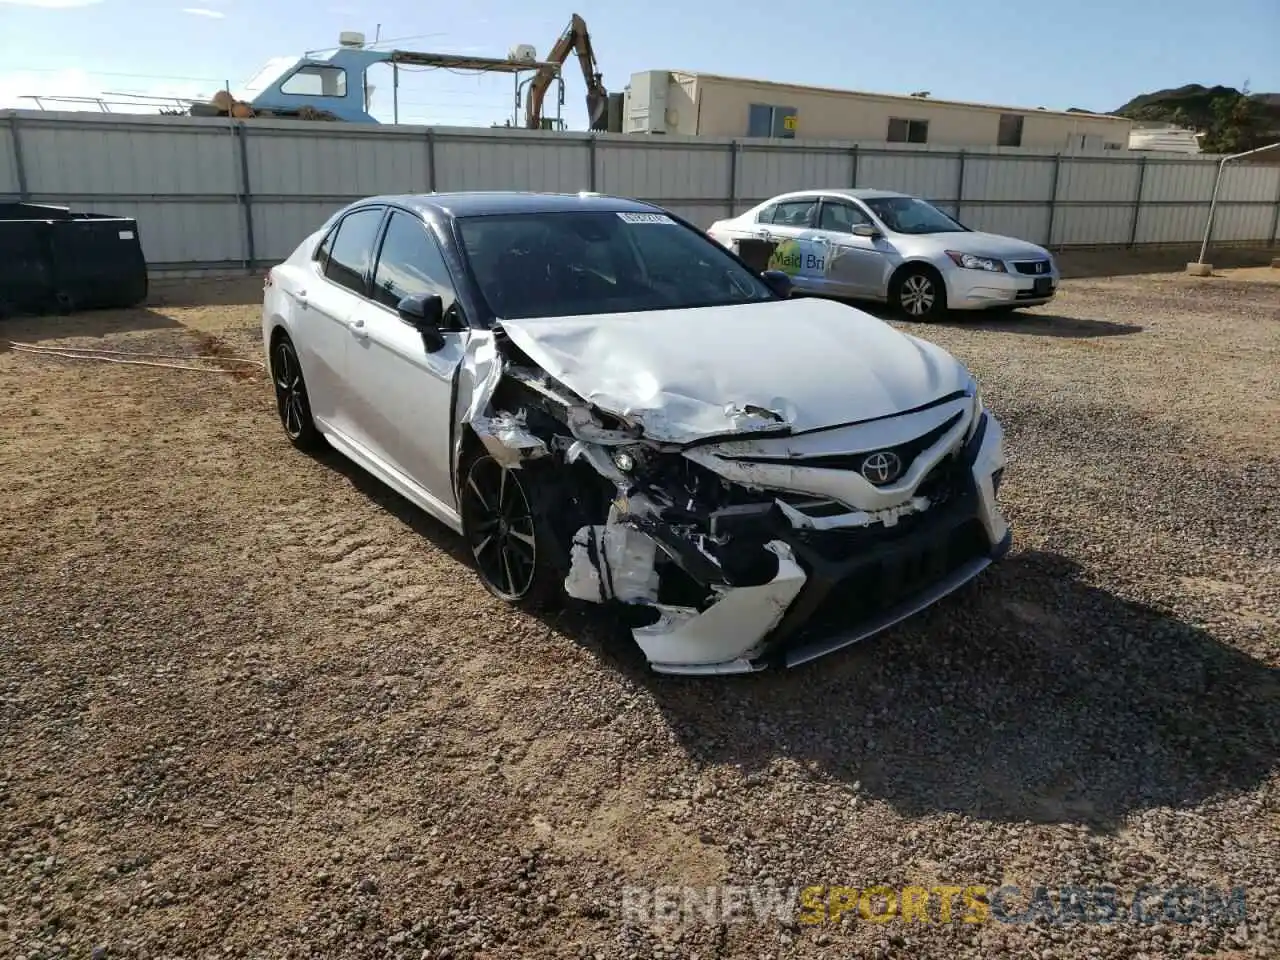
575	263
910	215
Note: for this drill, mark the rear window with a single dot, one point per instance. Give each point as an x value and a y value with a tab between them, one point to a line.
577	263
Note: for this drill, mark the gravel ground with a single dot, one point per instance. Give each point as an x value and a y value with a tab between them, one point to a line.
252	704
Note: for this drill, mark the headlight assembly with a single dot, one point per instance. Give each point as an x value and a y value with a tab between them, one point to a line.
976	406
971	261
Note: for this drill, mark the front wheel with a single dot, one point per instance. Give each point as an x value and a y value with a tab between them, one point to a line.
505	522
919	294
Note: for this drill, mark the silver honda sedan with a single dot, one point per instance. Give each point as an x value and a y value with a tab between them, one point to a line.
894	248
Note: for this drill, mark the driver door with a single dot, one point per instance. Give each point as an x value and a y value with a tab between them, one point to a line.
800	252
857	265
402	392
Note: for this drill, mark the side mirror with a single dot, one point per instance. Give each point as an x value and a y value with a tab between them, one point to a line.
866	230
424	313
778	282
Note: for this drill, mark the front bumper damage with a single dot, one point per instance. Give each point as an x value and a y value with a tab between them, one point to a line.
727	562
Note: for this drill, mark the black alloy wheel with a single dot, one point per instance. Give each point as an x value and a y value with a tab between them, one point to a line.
291	396
497	515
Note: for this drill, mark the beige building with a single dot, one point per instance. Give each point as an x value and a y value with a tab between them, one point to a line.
701	104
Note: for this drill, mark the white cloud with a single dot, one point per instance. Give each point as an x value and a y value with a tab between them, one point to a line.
53	4
204	12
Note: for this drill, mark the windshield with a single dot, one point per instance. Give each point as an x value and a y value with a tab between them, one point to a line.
575	263
910	215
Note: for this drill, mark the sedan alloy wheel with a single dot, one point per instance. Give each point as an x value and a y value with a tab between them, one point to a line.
501	532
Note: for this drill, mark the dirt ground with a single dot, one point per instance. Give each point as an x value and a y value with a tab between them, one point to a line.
253	704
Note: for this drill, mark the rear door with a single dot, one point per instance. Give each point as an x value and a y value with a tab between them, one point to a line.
856	265
324	307
401	393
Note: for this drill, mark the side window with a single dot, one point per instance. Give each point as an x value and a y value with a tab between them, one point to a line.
841	217
321	254
352	252
766	215
796	213
410	264
315	80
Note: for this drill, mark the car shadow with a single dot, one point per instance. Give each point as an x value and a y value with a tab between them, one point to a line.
33	328
1039	325
408	513
1026	322
1030	695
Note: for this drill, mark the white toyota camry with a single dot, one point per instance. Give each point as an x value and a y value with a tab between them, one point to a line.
608	405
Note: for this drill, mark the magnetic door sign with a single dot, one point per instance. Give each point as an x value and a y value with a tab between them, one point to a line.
791	122
798	258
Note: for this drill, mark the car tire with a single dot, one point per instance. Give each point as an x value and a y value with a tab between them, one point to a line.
919	294
292	402
506	522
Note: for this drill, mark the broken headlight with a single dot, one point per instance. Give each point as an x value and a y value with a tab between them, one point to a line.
974	393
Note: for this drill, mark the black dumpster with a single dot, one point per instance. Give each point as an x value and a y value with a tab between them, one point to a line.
54	260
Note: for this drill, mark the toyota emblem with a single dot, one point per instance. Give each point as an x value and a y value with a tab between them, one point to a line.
882	467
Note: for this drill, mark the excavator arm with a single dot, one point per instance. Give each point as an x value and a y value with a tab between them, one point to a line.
574	39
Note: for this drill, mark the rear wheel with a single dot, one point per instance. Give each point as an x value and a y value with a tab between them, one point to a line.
919	294
292	403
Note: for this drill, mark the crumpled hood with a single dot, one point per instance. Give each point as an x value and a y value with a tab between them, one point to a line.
690	374
991	245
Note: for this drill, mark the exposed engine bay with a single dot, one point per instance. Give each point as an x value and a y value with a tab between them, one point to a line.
734	537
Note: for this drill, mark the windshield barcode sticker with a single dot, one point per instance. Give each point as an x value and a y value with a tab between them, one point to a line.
646	218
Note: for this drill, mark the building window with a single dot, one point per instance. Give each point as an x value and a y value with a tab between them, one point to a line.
767	120
1010	130
908	131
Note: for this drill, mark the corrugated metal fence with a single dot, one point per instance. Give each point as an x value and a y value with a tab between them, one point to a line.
209	194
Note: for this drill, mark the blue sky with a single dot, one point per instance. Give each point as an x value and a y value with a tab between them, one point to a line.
1085	53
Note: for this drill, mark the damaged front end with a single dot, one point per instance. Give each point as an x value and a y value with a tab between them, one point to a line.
753	545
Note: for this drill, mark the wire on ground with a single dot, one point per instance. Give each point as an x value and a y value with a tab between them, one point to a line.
136	359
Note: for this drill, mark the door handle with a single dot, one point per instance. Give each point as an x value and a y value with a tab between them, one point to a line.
358	327
301	297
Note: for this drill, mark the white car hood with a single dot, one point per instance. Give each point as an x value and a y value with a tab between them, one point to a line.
685	375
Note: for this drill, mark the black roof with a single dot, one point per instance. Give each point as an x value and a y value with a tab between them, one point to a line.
482	203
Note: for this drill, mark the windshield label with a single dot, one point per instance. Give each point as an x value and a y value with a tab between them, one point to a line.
645	218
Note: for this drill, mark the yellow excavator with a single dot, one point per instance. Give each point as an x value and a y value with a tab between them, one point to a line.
574	39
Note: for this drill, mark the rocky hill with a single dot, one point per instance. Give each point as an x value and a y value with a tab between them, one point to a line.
1230	119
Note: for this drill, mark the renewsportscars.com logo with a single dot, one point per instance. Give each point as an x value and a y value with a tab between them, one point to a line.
940	904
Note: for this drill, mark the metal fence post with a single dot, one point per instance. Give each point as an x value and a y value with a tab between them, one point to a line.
1053	197
960	185
1137	200
853	174
431	159
1275	223
591	159
19	164
735	148
246	195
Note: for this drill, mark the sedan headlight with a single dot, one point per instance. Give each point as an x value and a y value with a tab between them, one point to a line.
971	261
